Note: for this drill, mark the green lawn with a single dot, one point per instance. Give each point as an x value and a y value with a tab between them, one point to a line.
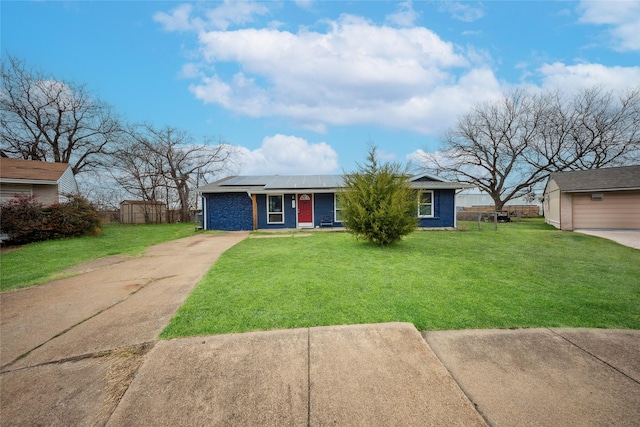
523	275
40	262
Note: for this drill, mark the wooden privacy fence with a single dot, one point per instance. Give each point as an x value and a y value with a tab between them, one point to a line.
470	213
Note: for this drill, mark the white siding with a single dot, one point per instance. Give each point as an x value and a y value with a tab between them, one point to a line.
47	193
67	183
620	209
552	204
8	191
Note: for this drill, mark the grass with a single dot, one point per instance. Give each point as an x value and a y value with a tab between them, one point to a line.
524	275
43	261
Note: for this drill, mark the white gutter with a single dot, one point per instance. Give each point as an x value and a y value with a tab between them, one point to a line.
26	181
591	190
204	214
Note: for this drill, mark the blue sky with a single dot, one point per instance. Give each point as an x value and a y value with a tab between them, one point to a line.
302	87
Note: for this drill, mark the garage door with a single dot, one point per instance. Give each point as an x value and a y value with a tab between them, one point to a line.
613	210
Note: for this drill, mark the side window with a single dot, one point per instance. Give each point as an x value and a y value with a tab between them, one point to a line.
275	213
425	204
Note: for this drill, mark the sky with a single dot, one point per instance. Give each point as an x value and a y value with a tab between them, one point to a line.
305	87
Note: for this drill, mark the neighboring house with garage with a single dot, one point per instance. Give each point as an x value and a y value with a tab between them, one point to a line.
49	181
599	198
308	201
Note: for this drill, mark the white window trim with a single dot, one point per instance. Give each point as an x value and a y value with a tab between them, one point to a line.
335	208
269	212
433	209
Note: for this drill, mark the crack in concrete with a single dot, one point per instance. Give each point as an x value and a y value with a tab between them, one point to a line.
59	334
466	394
135	350
593	355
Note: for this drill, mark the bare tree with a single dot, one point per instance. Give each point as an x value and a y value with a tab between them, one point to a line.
507	148
168	161
46	119
593	129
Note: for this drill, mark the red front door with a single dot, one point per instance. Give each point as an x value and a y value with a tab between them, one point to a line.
305	209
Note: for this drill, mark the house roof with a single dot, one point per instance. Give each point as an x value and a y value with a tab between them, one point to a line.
266	184
31	171
607	179
287	182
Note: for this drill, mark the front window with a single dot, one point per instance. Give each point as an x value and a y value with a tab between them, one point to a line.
338	214
425	204
275	213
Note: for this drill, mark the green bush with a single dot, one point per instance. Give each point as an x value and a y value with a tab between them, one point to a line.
24	219
377	203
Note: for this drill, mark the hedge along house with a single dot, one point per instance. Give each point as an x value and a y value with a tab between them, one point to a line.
606	198
308	201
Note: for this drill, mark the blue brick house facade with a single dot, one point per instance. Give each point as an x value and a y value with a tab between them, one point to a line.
285	202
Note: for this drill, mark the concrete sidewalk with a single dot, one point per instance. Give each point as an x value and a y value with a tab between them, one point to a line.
546	377
382	375
361	375
386	375
84	351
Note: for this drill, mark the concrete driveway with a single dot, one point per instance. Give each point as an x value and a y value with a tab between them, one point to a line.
84	351
629	238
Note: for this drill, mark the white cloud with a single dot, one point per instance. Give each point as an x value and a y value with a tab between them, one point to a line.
280	154
623	18
461	11
385	155
177	20
436	161
222	17
355	73
417	156
305	4
405	16
233	12
424	161
190	71
358	73
575	77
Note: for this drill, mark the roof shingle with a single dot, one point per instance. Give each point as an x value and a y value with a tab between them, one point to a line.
619	178
31	169
312	183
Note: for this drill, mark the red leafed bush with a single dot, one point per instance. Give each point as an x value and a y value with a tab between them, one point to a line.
26	220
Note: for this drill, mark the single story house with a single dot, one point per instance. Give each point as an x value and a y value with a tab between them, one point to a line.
49	181
308	201
606	198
